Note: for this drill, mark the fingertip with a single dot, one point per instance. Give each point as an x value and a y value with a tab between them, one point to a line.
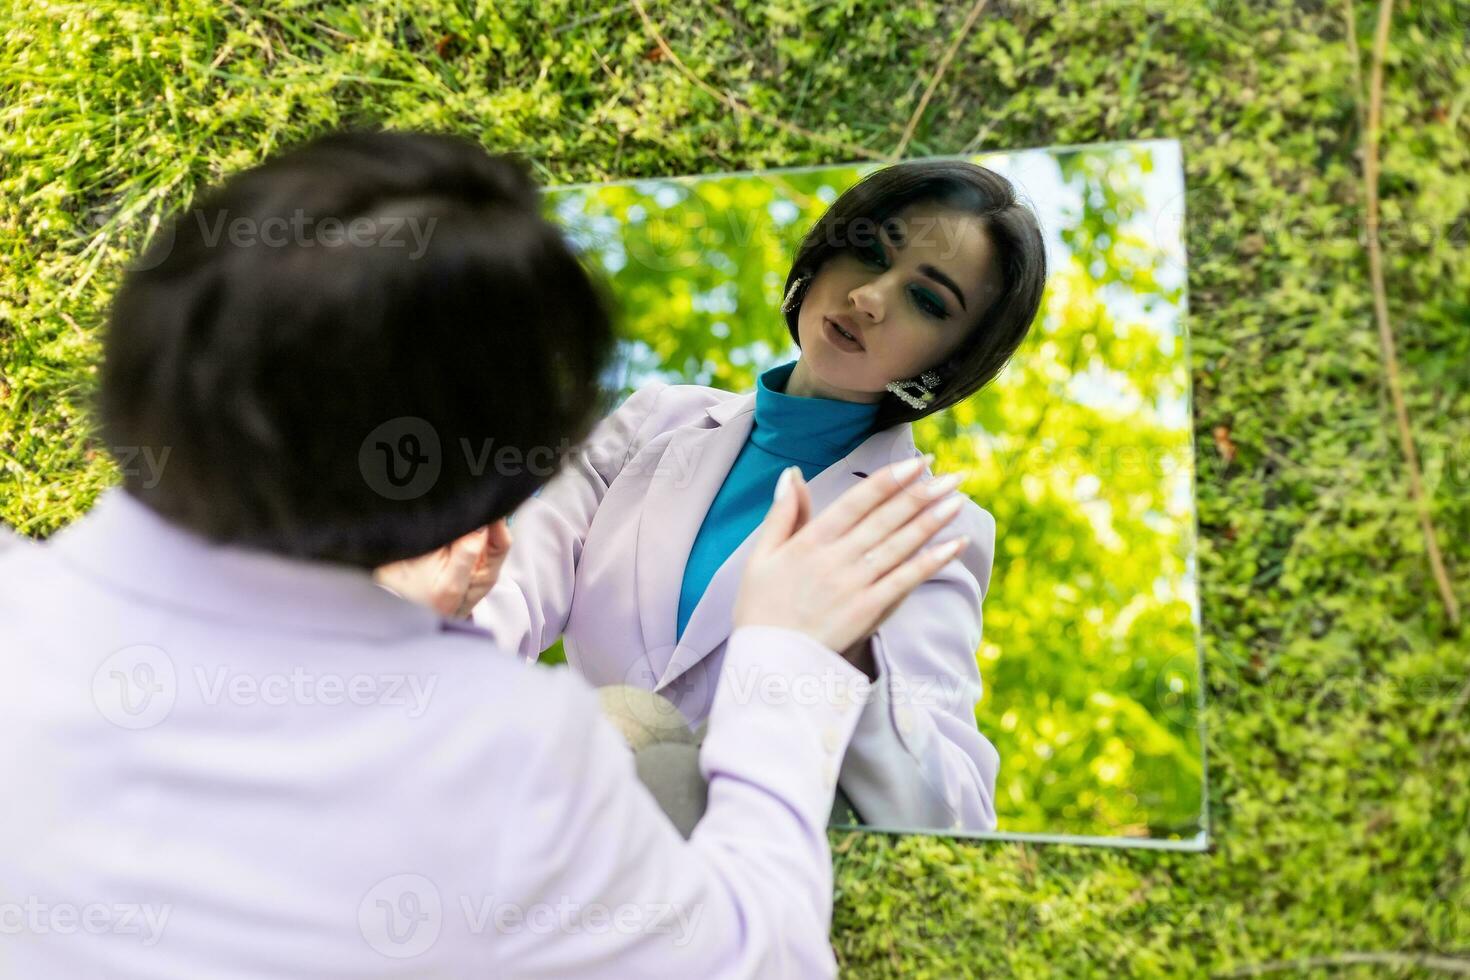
907	469
783	484
953	547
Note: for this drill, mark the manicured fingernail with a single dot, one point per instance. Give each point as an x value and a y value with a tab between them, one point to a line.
951	548
783	485
944	510
942	485
908	468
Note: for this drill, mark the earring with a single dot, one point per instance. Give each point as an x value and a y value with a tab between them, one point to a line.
794	294
916	392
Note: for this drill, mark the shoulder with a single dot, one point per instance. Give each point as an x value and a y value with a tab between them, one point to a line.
659	406
978	522
10	541
492	695
23	561
659	399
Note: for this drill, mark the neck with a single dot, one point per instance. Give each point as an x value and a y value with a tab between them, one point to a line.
804	384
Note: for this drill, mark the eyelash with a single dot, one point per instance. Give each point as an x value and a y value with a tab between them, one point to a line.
876	252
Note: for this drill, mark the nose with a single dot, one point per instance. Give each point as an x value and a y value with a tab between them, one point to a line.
867	299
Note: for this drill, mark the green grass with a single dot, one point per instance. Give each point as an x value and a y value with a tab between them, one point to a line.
1339	758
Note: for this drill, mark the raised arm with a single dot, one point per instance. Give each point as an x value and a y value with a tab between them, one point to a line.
749	894
527	608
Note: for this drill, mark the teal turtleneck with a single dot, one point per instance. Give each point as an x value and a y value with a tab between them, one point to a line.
812	433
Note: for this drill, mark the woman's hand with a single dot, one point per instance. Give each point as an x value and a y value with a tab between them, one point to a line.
453	579
838	576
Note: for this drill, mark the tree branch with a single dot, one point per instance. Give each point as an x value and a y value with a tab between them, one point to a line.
738	106
954	45
1370	138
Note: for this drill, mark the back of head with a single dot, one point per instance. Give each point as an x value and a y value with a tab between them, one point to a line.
325	346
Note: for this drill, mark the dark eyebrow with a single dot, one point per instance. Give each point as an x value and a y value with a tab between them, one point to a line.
929	270
944	280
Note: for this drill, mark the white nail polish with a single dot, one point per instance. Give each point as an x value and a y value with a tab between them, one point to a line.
944	510
908	468
942	485
951	548
783	483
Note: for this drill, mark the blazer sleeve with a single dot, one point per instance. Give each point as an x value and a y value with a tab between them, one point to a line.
748	895
917	759
527	609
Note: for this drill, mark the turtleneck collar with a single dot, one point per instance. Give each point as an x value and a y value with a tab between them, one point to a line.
819	431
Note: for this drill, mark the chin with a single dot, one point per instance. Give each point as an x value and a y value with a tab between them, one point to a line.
836	370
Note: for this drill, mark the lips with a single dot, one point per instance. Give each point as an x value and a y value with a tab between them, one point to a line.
847	325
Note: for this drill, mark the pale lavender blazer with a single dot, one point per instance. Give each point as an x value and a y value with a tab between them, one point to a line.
599	561
255	766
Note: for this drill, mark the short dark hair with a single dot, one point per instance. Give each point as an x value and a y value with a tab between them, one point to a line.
1019	250
263	365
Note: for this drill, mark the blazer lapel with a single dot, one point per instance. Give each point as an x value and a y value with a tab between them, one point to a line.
710	623
687	475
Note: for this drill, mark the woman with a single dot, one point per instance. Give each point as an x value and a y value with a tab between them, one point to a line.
908	295
218	731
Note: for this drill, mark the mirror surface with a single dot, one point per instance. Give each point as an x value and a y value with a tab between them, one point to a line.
1081	450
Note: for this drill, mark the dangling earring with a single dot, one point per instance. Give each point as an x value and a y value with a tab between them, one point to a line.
916	392
794	294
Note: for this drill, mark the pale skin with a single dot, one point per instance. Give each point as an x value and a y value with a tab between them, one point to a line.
910	293
452	579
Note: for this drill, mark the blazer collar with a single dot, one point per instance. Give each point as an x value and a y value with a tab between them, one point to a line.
127	548
672	515
723	411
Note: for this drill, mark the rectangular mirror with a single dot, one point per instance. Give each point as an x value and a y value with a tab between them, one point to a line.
1081	450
